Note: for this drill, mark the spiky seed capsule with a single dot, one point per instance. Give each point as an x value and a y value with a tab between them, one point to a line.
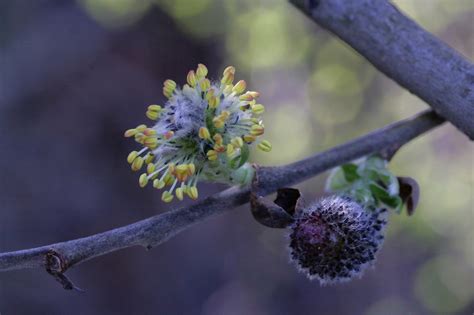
336	239
199	133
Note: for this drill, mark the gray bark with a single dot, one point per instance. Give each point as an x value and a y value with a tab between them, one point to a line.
404	51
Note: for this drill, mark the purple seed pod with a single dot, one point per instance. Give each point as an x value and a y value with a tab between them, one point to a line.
336	239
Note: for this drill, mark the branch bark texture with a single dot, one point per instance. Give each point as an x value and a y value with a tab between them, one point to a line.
157	229
405	52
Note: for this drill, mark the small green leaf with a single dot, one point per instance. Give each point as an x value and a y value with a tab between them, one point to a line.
350	172
244	154
337	181
383	196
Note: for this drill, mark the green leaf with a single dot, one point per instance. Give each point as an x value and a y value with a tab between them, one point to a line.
244	154
337	181
350	172
240	160
394	202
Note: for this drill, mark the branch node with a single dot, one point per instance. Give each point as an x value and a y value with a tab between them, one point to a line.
56	265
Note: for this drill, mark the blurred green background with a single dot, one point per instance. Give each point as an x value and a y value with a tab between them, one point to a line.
67	98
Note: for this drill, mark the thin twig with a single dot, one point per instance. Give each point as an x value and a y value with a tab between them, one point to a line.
158	229
404	51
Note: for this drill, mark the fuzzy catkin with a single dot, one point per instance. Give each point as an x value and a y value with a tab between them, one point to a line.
336	239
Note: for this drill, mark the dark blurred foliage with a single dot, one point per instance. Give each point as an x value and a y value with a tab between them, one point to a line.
73	78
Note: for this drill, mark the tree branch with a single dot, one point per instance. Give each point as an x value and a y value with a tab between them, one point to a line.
404	51
57	258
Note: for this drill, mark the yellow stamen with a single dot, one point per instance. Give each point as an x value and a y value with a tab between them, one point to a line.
141	128
214	102
158	184
130	133
137	164
249	138
168	134
131	156
256	130
179	193
246	97
239	88
150	142
258	109
229	69
193	192
218	122
167	196
205	85
237	142
191	78
201	71
230	150
191	169
149	157
218	138
155	108
149	132
150	168
211	155
265	146
219	148
228	89
204	133
143	180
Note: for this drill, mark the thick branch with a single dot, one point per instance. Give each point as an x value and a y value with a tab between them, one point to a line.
405	52
159	228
